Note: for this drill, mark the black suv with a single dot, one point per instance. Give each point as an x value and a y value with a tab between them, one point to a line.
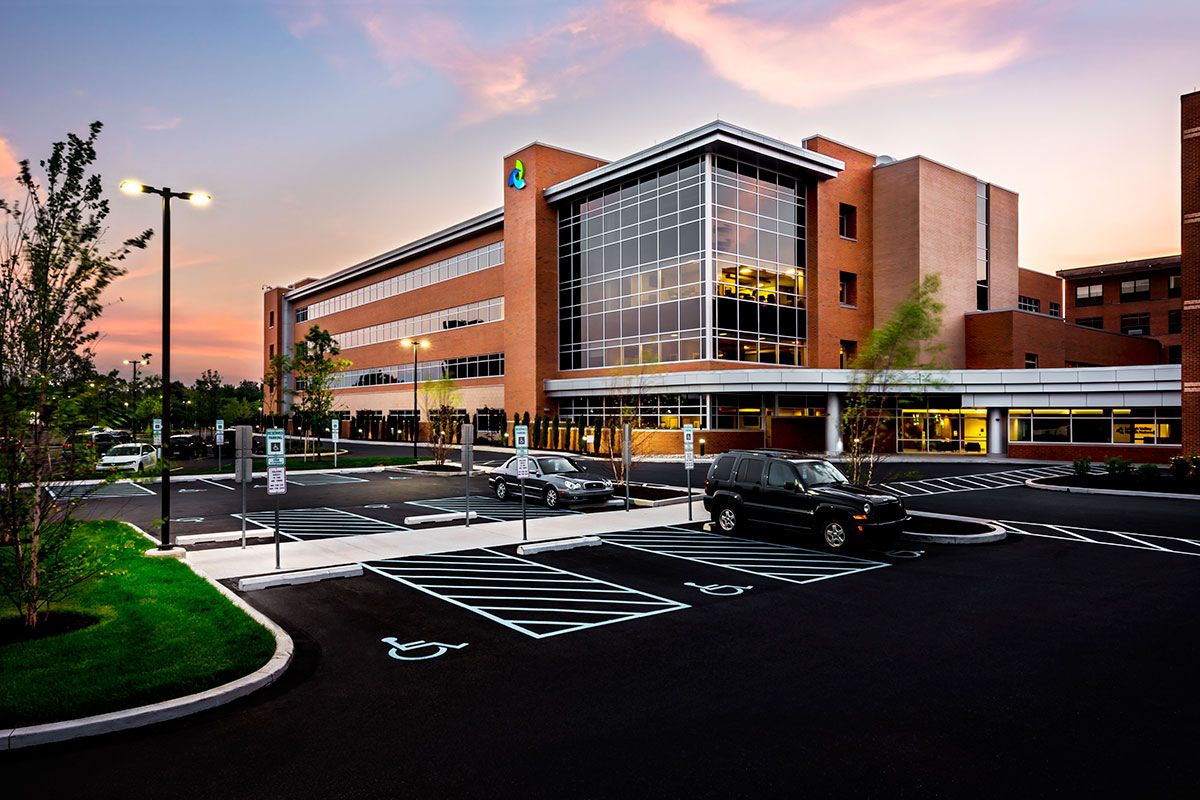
779	488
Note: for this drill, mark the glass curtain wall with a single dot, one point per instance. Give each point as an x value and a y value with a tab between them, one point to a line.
630	280
758	235
1095	425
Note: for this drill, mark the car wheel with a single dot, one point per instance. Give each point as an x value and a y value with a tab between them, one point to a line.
835	534
728	519
501	489
551	497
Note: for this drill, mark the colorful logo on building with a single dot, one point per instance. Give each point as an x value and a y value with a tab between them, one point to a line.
516	178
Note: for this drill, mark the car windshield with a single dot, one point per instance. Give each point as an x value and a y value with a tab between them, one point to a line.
556	466
819	473
126	450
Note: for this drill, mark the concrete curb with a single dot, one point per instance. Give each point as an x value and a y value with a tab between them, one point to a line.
559	544
431	473
168	709
224	536
449	516
1032	483
298	577
995	534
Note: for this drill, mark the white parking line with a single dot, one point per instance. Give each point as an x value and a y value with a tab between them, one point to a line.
781	562
1138	541
214	483
302	524
509	587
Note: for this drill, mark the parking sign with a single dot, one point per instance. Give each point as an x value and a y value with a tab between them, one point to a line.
276	480
689	460
156	427
220	431
521	439
275	447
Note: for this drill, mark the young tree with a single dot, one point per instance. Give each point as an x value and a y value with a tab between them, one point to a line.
315	362
208	396
53	273
630	393
275	384
441	398
896	353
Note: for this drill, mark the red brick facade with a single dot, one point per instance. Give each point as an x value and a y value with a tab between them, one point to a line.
1139	454
1041	286
1190	339
1003	340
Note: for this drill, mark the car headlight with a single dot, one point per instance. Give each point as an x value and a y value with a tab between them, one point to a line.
867	509
571	485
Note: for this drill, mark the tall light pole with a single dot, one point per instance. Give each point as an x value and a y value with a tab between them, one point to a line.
135	362
199	199
417	346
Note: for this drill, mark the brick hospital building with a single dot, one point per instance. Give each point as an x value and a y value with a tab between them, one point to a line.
727	279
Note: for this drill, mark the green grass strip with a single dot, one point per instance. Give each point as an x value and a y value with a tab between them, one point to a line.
164	633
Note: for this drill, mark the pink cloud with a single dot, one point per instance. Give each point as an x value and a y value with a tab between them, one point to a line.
302	17
801	59
9	168
170	123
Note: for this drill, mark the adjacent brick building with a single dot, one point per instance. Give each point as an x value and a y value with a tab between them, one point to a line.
724	279
1190	269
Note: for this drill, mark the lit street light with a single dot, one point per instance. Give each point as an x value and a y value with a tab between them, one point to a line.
199	199
416	346
135	363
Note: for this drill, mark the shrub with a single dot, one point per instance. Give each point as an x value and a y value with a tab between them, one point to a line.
1194	462
1180	467
1115	465
1082	466
1147	472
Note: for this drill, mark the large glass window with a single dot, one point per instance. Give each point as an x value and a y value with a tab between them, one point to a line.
483	366
1138	289
490	255
758	241
941	430
630	278
442	320
666	411
1095	425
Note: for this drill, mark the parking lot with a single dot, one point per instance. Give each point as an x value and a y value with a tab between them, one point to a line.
677	661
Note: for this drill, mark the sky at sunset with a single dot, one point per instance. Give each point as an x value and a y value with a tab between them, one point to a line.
328	132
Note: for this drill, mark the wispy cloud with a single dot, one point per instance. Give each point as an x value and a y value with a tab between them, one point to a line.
9	168
170	123
788	54
801	59
301	17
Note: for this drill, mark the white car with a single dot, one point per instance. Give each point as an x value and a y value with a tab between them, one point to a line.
128	457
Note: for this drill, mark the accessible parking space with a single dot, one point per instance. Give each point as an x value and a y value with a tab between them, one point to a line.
492	509
976	482
302	524
763	559
123	490
527	596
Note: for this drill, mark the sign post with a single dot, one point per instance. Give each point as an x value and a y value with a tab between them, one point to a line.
627	456
156	427
335	431
243	466
220	440
689	462
467	437
276	475
521	439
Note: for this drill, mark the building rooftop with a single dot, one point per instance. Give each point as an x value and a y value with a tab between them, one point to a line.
1122	267
705	135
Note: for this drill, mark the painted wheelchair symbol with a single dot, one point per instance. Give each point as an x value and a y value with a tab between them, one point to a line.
719	589
906	553
439	649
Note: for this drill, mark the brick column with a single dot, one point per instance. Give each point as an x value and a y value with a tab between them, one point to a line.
1190	238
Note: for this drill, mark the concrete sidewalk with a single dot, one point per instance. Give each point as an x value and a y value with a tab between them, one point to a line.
234	562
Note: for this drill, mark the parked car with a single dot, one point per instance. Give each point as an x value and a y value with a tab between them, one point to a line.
555	480
185	445
106	440
128	458
766	486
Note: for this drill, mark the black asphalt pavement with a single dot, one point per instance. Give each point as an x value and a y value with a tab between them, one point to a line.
674	662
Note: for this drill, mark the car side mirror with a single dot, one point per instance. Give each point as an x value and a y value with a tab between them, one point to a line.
797	486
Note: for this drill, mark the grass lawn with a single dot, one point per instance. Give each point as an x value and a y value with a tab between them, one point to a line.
163	632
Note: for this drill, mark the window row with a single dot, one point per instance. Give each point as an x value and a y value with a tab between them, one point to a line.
594	329
649	184
754	243
682	240
482	366
1095	425
491	310
631	215
661	411
760	350
463	264
667	347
